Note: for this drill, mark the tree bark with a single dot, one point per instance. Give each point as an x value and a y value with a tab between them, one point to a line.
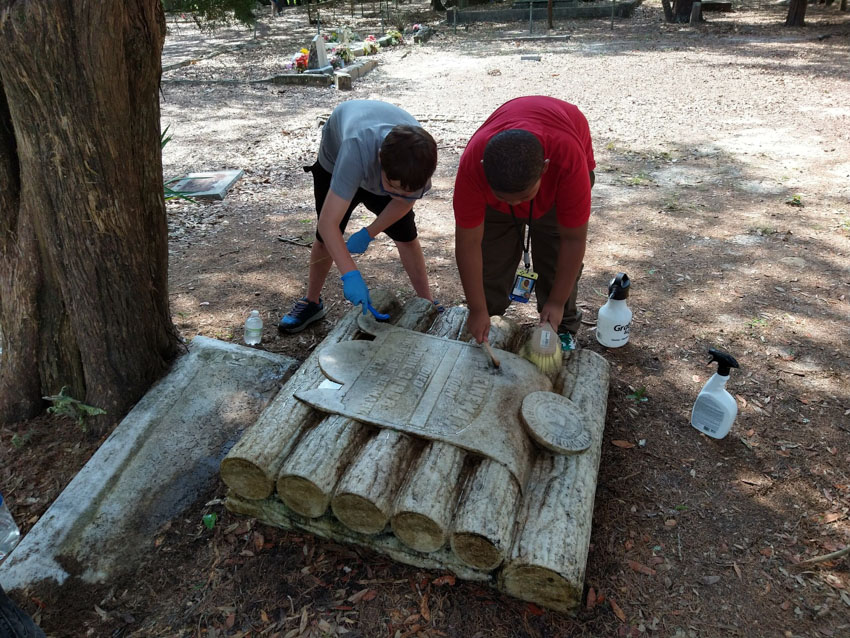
83	229
796	13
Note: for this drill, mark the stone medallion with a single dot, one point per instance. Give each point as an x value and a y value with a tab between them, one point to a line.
555	423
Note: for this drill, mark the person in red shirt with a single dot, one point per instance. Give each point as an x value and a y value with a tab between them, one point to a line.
523	192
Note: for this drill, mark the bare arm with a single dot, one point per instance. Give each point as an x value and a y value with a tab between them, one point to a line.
395	210
333	210
573	242
470	265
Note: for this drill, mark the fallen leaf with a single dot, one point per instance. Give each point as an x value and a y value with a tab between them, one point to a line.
230	621
831	517
670	522
412	618
641	569
534	610
259	541
628	545
358	596
737	571
264	616
446	579
423	608
710	580
591	598
766	551
303	624
626	445
617	611
786	605
370	595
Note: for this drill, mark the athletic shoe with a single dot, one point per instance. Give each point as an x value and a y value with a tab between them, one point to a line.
303	313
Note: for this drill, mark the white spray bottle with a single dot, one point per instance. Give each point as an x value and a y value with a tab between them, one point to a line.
615	319
715	409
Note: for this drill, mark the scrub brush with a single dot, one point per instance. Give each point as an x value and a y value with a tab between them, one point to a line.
543	349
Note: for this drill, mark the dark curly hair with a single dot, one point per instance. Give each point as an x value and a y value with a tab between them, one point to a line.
513	161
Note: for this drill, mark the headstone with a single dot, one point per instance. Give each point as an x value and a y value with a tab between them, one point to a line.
432	388
162	456
209	185
318	54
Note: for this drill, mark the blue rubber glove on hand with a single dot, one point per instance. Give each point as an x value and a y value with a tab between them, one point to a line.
355	290
359	242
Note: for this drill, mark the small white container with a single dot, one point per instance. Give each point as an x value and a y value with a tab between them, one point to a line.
9	532
253	328
615	318
715	409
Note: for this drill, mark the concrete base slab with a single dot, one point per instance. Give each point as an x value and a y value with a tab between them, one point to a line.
161	457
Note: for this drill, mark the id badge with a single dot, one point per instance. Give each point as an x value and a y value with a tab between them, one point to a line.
523	285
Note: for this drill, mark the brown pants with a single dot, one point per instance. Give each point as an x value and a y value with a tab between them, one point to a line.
501	250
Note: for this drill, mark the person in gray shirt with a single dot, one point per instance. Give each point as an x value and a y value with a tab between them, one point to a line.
376	154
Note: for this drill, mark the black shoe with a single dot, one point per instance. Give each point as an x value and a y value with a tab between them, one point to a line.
303	313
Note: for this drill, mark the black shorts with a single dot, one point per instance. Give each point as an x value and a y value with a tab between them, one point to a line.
403	230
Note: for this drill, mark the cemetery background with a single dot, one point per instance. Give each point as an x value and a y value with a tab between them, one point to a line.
722	190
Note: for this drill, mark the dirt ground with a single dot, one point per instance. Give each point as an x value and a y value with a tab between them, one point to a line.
723	190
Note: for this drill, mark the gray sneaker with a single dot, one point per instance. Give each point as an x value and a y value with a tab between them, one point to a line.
303	313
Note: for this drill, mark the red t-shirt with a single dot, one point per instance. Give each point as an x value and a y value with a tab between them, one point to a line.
565	135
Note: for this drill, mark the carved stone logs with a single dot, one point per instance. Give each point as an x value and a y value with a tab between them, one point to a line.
549	555
317	463
251	468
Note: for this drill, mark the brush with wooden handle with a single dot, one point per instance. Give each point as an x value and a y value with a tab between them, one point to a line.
493	358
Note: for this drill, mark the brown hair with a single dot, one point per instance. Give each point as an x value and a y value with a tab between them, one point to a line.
409	155
513	160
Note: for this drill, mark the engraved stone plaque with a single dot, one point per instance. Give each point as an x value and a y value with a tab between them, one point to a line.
555	422
432	388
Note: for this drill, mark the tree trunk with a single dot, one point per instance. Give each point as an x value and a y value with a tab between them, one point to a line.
668	10
682	10
796	13
550	13
83	230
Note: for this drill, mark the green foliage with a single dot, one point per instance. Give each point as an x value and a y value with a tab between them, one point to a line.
210	520
210	14
20	441
638	396
395	34
795	200
66	405
168	193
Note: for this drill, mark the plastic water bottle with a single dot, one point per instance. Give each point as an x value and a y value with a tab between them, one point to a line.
253	328
9	532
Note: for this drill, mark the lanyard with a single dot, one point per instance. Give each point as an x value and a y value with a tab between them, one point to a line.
526	241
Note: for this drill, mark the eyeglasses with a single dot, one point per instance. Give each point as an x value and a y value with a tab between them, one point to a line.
409	198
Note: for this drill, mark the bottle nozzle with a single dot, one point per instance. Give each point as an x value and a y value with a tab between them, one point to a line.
618	289
725	361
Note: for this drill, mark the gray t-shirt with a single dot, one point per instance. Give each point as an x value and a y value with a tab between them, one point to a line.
351	140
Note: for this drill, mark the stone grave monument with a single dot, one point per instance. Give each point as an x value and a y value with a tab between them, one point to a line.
317	60
403	438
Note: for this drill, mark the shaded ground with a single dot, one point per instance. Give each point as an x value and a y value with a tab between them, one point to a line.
723	190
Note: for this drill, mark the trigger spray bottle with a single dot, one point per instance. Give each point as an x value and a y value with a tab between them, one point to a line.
715	409
615	318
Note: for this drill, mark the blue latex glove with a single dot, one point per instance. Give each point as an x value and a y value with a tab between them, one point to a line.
358	242
355	290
